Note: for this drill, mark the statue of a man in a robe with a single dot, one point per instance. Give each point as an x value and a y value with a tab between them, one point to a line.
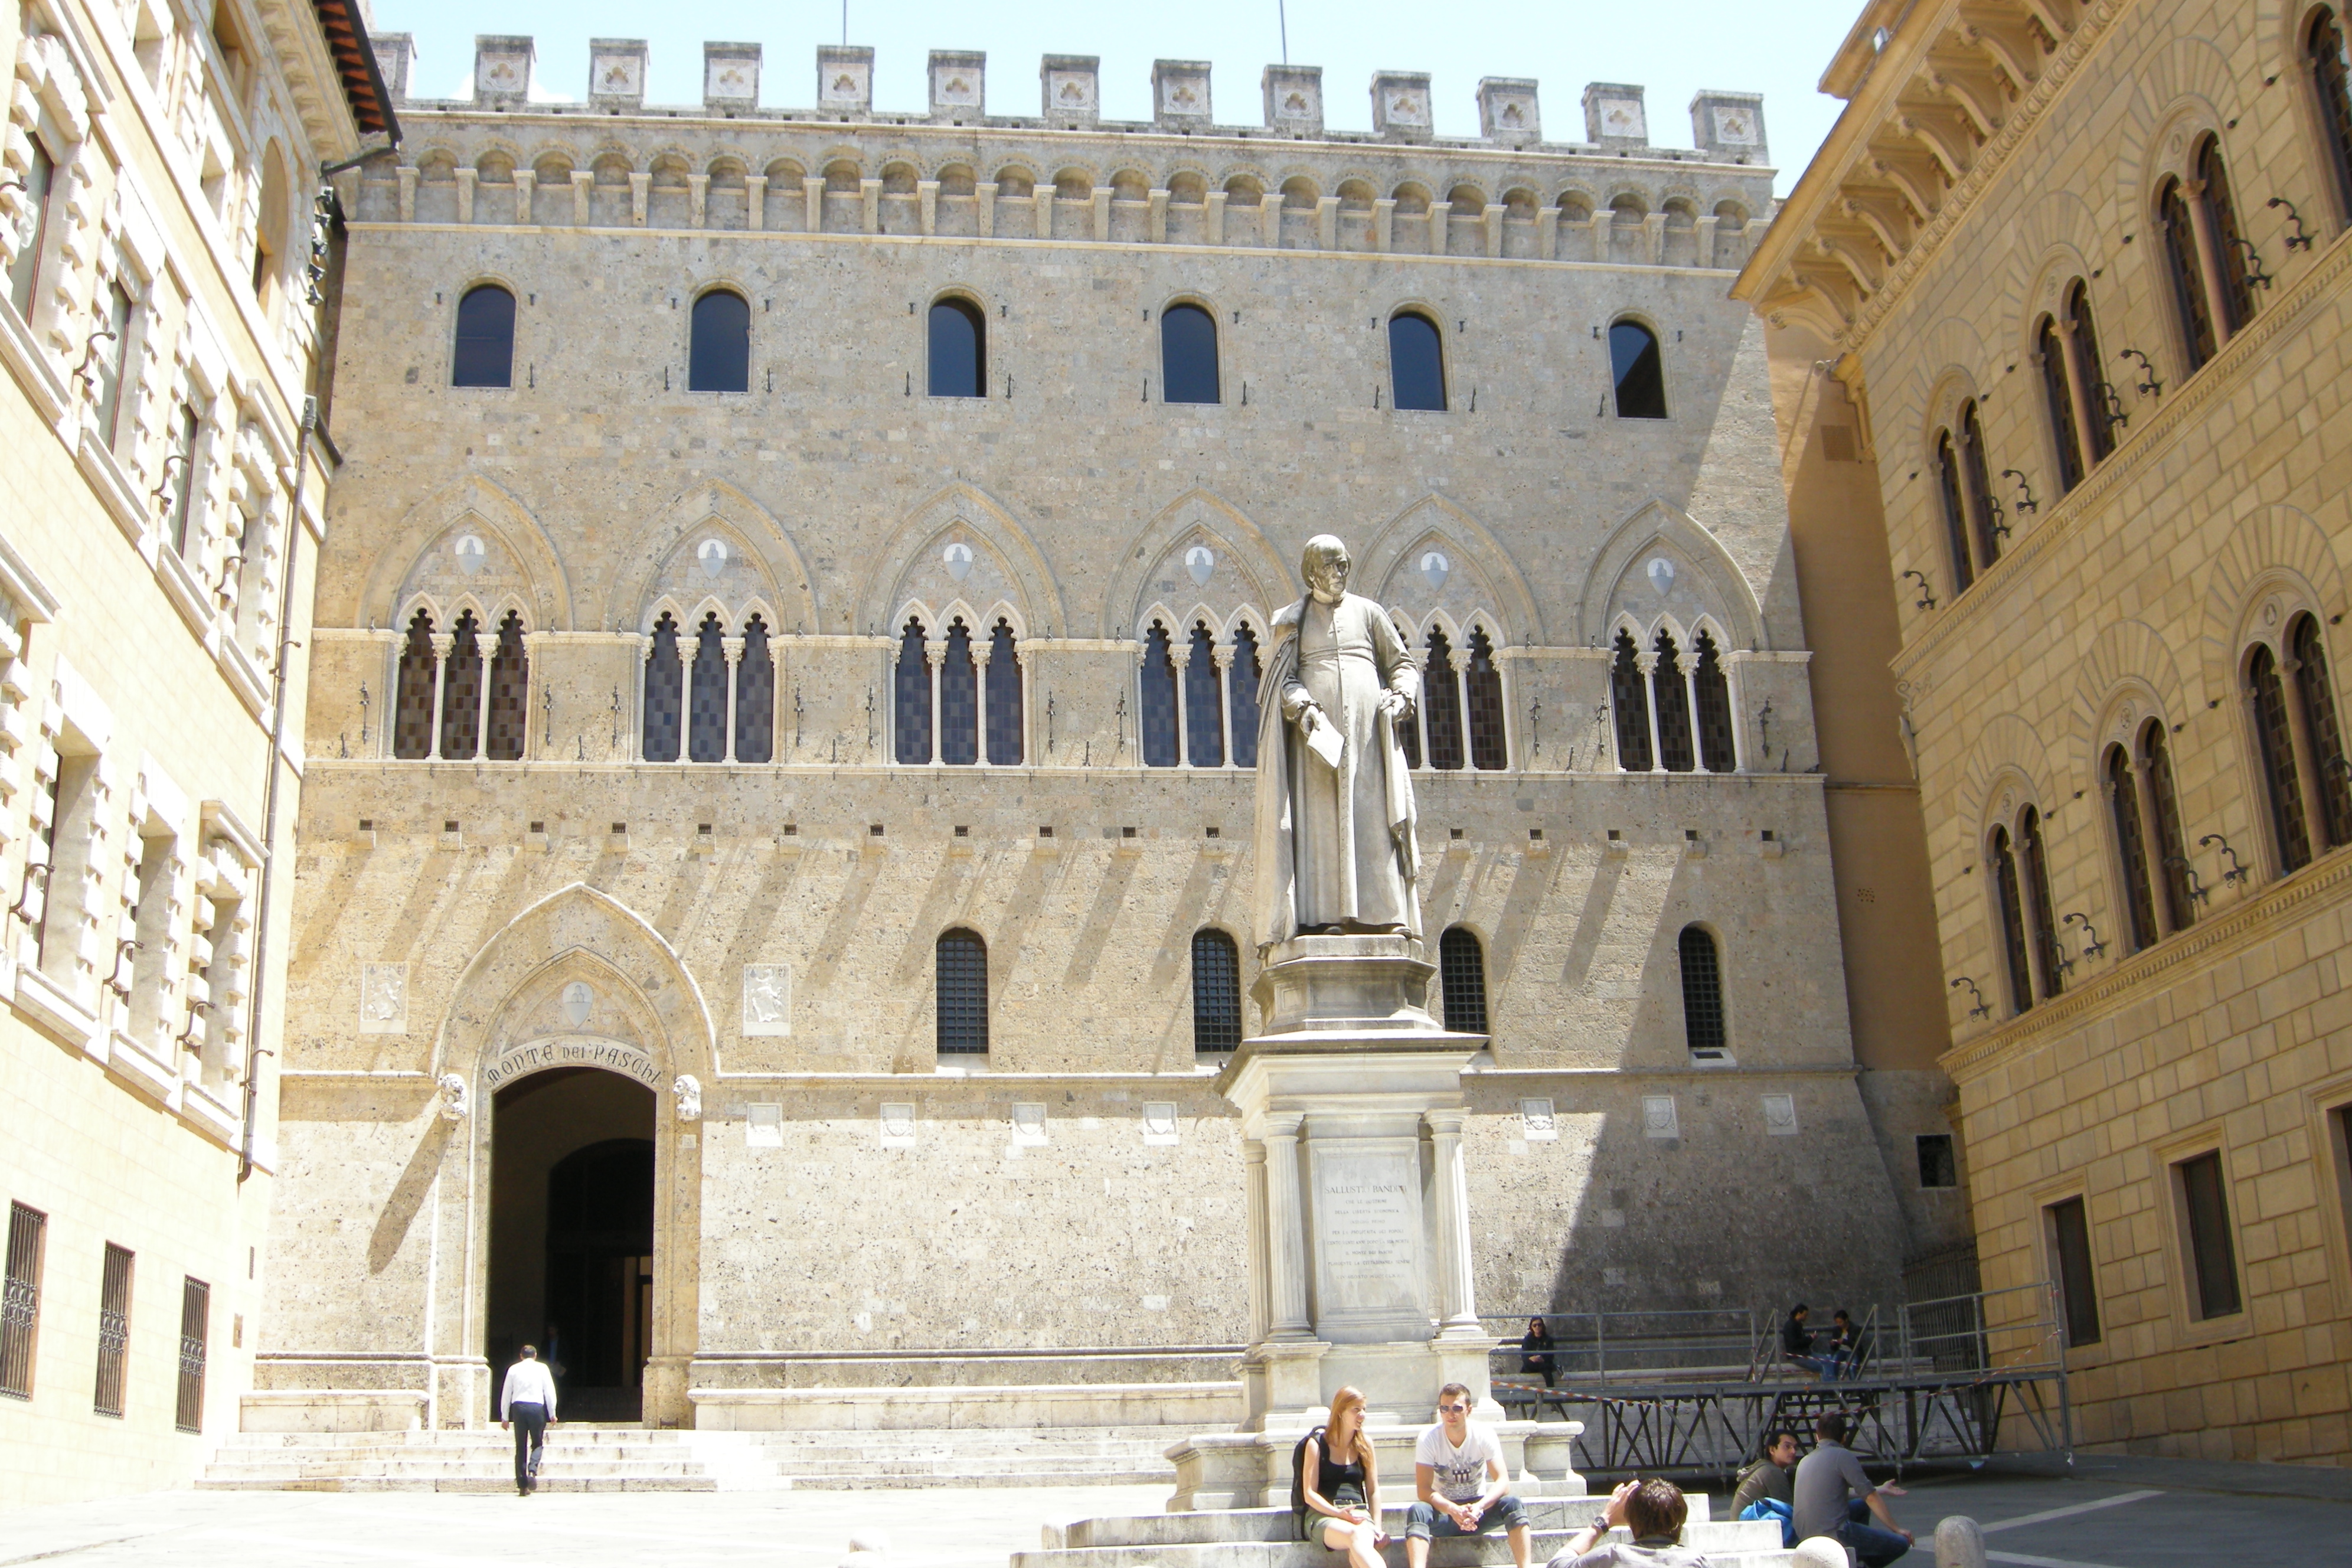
1335	832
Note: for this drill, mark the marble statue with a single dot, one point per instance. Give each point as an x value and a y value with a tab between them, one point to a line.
1334	835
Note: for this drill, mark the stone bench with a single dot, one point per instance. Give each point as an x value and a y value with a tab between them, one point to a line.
1267	1537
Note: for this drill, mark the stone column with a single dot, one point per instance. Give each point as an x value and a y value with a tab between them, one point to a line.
869	211
2209	256
927	199
1495	212
1326	223
640	190
526	183
1042	208
1254	1192
1286	1231
812	193
442	643
984	196
1383	222
698	201
1547	233
979	653
1441	217
755	202
1647	663
731	648
581	180
1212	221
1180	655
1687	661
935	654
1158	216
1224	653
486	650
1102	212
1704	233
1457	1307
466	178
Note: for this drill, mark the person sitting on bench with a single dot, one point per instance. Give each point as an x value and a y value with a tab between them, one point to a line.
1339	1483
1457	1468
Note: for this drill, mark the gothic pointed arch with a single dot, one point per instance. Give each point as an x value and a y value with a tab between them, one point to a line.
1243	564
422	556
755	559
1386	562
999	560
1702	579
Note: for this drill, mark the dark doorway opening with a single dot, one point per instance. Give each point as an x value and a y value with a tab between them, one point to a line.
572	1237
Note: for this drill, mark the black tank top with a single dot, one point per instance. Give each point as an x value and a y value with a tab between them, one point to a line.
1331	1475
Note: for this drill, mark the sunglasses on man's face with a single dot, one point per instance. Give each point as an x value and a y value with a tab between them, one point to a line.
1452	1409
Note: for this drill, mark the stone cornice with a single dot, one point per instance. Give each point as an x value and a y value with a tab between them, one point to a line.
2255	920
2139	450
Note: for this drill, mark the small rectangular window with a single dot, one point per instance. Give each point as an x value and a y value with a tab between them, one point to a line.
2340	1130
195	1330
2067	1234
2212	1257
20	1308
113	1330
1938	1166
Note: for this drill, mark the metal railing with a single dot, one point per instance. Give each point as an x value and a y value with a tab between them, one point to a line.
1590	1348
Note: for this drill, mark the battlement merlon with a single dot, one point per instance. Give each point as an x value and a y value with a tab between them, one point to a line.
1725	126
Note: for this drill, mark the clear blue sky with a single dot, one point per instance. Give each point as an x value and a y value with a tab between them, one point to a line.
1778	50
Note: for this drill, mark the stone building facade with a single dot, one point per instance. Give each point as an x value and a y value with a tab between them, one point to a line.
2083	266
777	714
163	499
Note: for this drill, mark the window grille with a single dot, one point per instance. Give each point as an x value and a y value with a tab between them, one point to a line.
2317	697
1703	1020
1676	751
113	1330
1241	696
412	730
2042	926
20	1305
911	696
1007	727
485	348
705	716
962	999
1976	472
2221	217
1483	688
2086	350
2164	811
1441	704
24	271
1416	362
1639	371
2131	847
1188	355
2330	69
719	359
1216	993
2069	1230
2012	923
1717	752
959	700
1462	980
1955	523
1204	720
1937	1167
2058	403
2187	275
510	694
959	350
1162	745
755	696
1628	695
665	693
195	1324
2212	1255
2277	746
461	691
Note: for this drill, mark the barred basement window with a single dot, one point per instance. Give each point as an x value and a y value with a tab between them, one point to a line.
1216	993
1937	1167
961	984
1241	698
412	724
1702	967
20	1307
2067	1231
196	1327
1462	980
1629	698
113	1330
665	694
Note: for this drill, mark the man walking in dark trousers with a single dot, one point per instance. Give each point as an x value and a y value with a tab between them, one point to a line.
528	1404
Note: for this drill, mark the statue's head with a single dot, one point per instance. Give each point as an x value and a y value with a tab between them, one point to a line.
1325	566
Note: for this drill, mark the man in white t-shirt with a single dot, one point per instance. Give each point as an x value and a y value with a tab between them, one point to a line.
1458	1474
527	1403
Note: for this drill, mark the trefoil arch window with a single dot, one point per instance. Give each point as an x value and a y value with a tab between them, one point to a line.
1671	701
706	713
418	691
959	704
1417	362
665	693
958	349
507	716
1440	704
1639	369
484	354
1629	699
1162	736
913	697
1204	708
1705	1026
2326	57
1481	686
1462	980
1188	355
1216	993
961	993
1241	698
719	357
1002	699
754	707
461	690
1711	706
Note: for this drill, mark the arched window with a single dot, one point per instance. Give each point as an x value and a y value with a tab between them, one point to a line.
1006	726
2316	696
911	698
509	714
1955	522
2041	917
755	696
2058	403
959	349
1416	362
2002	861
1162	740
1976	472
2275	740
1717	753
420	671
719	358
2331	79
1676	755
1440	703
25	272
1702	967
1629	695
485	325
1462	980
2184	273
961	986
665	693
2088	370
2131	847
1481	686
1216	993
959	700
1640	372
706	720
1204	717
2229	245
1241	698
2164	823
461	691
1188	355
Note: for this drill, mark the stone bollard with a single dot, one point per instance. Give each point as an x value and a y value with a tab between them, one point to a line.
1960	1543
1819	1552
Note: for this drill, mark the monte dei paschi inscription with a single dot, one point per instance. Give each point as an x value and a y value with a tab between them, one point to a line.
573	1052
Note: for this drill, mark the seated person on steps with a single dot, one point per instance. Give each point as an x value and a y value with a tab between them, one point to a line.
1824	1478
1653	1511
1796	1344
1770	1478
1339	1484
1457	1469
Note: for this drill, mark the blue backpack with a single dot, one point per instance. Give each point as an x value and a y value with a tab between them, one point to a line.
1773	1508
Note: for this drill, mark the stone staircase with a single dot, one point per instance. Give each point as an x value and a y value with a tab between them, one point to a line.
1266	1538
579	1458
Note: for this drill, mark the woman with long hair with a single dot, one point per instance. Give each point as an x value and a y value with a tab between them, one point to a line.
1537	1360
1340	1482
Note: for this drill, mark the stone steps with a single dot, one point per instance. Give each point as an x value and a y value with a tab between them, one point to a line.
974	1456
1480	1553
1564	1515
576	1459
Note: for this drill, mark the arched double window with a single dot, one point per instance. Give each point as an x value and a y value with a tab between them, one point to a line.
958	700
1973	522
1705	1026
2145	810
2307	781
710	696
1639	371
1462	980
484	355
1416	362
2330	68
959	986
959	349
2019	873
1188	355
455	699
1216	992
2204	255
718	355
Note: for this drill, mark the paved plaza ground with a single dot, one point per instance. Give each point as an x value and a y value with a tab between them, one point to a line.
2109	1514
